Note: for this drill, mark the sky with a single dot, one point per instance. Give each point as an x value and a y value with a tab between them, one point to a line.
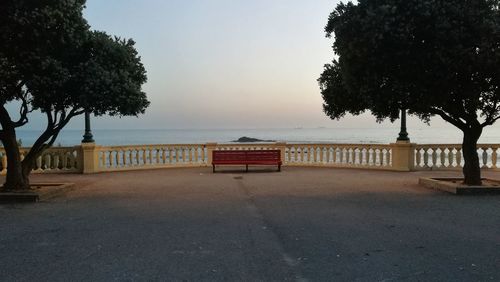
225	63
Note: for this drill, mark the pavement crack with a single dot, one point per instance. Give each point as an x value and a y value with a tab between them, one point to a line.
266	226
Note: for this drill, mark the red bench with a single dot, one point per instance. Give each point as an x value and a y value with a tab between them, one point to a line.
242	157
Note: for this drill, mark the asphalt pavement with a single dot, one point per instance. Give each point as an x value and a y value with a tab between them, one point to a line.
301	224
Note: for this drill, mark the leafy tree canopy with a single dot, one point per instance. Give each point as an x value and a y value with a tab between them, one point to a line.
51	58
431	57
51	61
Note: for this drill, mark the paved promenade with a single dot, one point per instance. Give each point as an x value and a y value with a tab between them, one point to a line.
303	224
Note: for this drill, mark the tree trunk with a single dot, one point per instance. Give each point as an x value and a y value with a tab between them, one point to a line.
471	170
17	178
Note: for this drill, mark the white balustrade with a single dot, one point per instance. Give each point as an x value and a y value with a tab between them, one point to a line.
117	158
52	160
450	156
371	156
339	155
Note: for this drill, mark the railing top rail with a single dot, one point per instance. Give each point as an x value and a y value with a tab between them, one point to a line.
49	150
455	145
246	144
148	146
56	148
437	145
338	144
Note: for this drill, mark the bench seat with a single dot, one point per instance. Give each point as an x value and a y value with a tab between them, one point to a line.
247	157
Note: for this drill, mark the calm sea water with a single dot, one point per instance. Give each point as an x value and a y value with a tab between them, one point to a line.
306	135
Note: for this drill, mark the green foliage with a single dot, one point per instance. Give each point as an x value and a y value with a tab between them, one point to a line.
432	57
40	40
110	79
51	61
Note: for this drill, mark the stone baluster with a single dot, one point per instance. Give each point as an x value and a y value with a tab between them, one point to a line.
164	155
47	165
113	157
368	159
56	161
418	158
125	155
426	158
189	158
494	157
144	157
196	155
176	150
38	163
65	158
485	157
442	158
148	151
157	155
434	157
451	156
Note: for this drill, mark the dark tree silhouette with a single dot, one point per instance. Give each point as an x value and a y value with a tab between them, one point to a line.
51	62
431	57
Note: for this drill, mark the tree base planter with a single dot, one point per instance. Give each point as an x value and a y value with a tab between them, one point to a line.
38	192
456	186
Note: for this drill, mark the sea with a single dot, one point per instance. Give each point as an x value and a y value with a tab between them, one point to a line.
107	137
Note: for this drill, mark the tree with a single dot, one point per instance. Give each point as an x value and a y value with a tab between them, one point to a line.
431	57
51	62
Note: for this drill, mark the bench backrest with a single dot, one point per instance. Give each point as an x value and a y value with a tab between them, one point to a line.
229	156
264	155
247	155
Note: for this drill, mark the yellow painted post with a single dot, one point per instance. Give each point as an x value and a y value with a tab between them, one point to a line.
282	147
403	156
210	148
90	158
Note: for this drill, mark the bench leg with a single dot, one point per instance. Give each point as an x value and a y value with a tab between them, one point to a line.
247	168
279	167
213	168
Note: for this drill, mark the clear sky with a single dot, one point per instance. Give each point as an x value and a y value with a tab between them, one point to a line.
225	63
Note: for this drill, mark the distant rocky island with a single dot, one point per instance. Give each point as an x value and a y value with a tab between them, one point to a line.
246	139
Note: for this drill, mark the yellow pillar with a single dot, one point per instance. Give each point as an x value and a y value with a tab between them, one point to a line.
403	156
282	147
90	158
210	148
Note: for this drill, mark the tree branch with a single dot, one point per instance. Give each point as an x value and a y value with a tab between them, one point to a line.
23	112
490	121
49	136
50	120
39	144
5	119
456	122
